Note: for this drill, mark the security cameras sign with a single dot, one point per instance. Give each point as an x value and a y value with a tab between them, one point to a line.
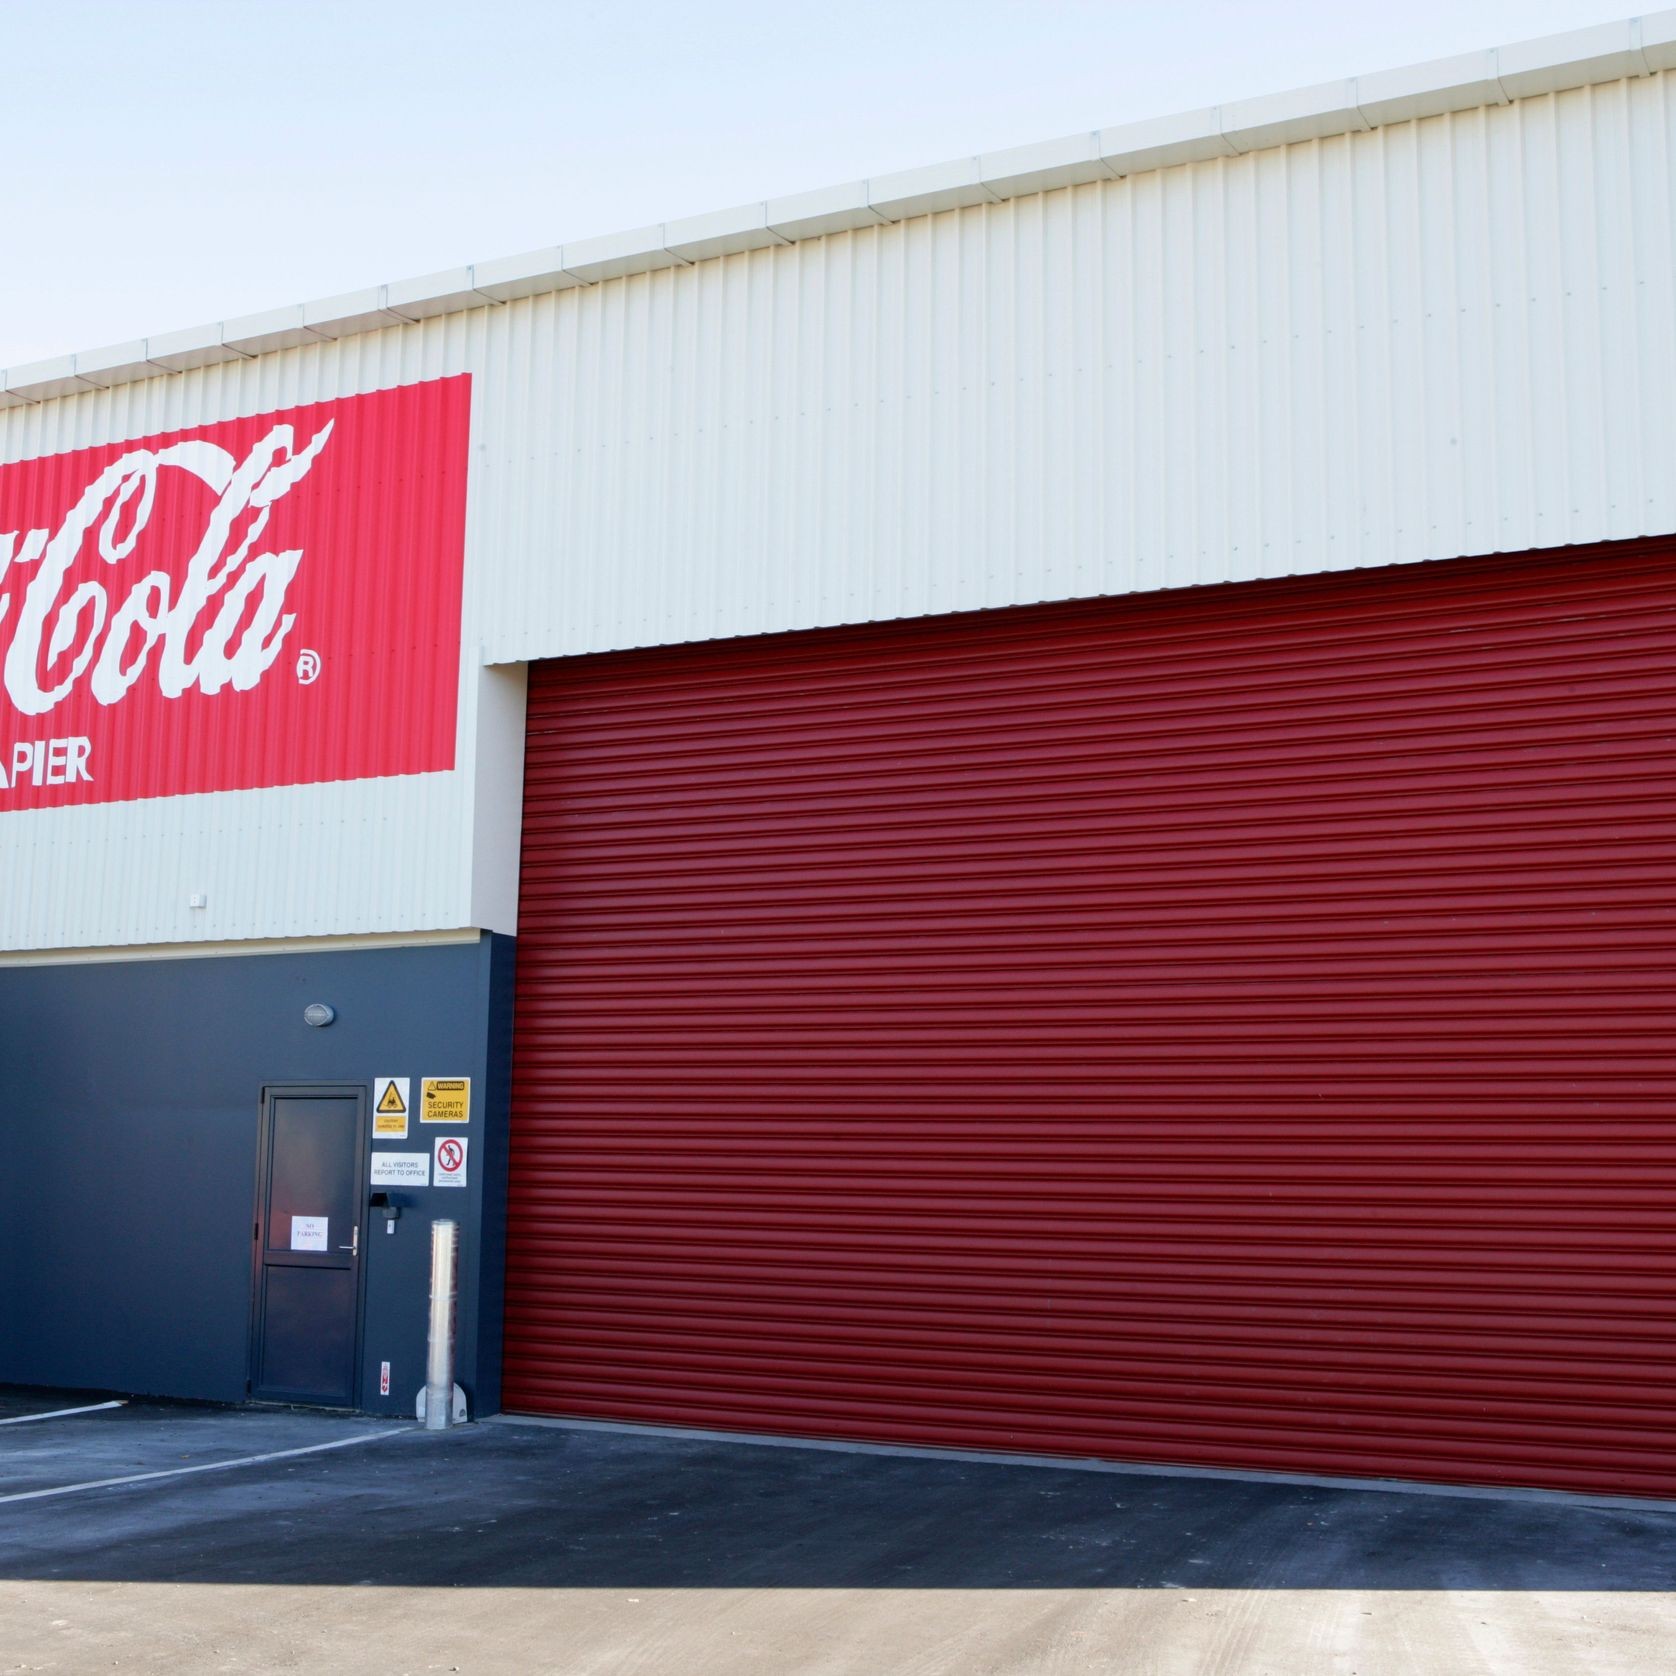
265	601
445	1100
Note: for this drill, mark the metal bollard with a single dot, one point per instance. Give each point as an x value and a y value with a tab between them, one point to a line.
438	1400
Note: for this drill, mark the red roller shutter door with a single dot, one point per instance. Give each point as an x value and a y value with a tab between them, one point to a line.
1226	1027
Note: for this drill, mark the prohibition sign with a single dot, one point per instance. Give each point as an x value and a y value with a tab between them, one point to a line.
450	1163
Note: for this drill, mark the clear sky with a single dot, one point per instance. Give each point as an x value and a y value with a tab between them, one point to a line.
169	162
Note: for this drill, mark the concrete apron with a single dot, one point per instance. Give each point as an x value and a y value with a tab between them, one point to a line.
835	1632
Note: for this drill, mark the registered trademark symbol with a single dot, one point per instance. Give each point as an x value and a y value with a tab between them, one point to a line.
308	667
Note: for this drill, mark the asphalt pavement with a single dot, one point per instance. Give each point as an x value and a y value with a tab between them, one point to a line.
154	1537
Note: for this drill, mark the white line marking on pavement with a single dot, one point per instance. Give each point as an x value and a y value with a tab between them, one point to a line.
209	1466
59	1413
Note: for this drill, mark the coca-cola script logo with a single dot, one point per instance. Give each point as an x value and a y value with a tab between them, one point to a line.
265	602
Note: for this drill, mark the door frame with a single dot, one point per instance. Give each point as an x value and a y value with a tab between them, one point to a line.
362	1095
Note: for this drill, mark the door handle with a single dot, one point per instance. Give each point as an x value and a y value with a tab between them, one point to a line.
354	1240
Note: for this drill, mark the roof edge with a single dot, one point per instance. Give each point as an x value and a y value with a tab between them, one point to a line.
1637	46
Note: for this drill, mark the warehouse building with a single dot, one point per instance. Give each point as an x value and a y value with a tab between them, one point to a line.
1025	806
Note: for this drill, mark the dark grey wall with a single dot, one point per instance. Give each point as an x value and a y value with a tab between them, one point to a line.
129	1095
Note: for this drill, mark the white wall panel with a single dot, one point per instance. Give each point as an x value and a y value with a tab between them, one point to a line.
1436	338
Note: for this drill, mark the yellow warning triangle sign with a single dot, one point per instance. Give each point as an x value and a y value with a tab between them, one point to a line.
391	1100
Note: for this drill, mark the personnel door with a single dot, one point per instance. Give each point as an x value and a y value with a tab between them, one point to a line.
310	1199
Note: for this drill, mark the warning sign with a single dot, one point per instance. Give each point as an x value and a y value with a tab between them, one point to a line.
446	1100
389	1107
450	1162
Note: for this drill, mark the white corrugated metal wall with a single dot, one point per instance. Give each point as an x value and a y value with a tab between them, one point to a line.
1438	338
1441	337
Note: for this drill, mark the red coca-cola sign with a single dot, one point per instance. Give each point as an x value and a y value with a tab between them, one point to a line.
272	601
